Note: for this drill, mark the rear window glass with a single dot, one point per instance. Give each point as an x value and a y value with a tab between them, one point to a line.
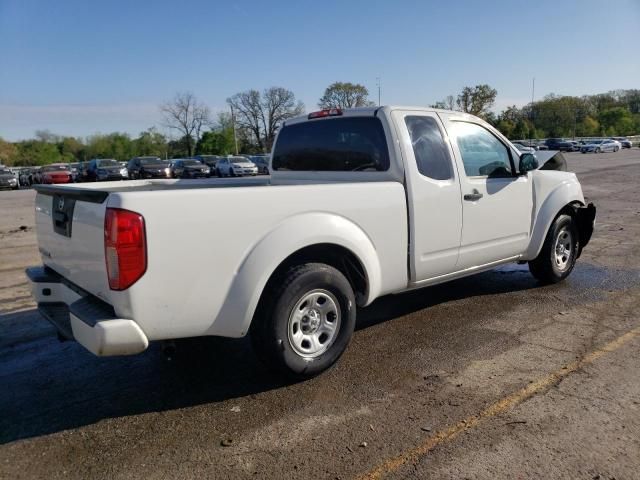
429	148
339	144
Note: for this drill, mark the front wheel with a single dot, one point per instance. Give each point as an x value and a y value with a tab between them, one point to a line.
305	320
598	150
559	252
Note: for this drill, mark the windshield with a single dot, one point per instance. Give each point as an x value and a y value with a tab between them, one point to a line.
55	168
107	163
596	142
191	163
239	160
151	161
4	171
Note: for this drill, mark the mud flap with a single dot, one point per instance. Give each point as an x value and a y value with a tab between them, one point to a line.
585	218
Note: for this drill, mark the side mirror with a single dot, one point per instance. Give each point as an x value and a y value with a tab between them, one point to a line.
528	162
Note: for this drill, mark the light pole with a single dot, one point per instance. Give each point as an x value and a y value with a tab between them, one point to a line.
533	125
378	84
233	123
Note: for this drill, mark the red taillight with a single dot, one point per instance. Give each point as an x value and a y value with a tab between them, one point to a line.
125	247
327	112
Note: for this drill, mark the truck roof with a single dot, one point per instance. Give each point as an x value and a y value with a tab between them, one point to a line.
369	111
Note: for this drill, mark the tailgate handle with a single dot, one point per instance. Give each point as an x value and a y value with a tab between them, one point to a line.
62	214
60	218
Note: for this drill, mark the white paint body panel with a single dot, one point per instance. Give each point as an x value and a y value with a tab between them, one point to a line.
435	206
211	249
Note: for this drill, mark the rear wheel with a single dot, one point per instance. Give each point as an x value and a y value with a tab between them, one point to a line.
305	321
598	150
559	252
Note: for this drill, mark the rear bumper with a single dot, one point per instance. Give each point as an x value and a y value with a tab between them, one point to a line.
80	316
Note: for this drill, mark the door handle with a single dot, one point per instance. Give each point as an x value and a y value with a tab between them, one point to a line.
472	197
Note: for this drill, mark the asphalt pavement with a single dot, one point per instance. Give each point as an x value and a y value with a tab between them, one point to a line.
491	376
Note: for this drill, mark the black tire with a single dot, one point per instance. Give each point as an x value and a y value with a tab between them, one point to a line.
218	173
270	326
545	267
598	150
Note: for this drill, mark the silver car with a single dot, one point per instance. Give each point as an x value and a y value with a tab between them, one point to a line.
522	148
598	146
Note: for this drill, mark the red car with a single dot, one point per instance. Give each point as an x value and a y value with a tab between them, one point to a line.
56	174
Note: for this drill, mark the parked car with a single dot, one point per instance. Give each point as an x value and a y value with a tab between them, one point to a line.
105	169
623	141
575	145
82	172
25	177
262	162
56	173
75	171
210	161
188	168
559	144
235	167
528	143
363	203
523	148
37	175
148	167
597	146
8	179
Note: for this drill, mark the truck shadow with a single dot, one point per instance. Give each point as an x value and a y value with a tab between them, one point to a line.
49	386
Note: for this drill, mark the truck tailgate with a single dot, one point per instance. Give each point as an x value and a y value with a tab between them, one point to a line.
70	229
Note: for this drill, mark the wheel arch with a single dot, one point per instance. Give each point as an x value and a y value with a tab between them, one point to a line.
565	198
311	237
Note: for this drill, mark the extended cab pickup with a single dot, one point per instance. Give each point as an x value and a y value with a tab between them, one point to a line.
361	203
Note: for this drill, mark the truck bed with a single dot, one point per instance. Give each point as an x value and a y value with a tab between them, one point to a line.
201	236
102	188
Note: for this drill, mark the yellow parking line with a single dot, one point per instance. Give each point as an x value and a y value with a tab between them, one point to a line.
510	401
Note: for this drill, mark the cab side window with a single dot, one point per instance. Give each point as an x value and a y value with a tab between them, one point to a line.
429	148
483	155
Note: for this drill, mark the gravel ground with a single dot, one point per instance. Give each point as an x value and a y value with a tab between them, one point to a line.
491	376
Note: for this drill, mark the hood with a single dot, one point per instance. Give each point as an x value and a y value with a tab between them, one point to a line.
196	167
551	160
57	172
244	164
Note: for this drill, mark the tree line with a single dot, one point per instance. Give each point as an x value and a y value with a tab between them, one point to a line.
615	113
254	117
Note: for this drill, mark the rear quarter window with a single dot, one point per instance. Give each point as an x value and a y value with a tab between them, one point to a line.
339	144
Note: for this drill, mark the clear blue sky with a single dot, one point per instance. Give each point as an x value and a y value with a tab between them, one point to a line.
77	67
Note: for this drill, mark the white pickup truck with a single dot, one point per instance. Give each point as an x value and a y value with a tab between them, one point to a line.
361	203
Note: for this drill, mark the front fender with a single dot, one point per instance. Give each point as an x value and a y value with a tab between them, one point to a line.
552	197
269	252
